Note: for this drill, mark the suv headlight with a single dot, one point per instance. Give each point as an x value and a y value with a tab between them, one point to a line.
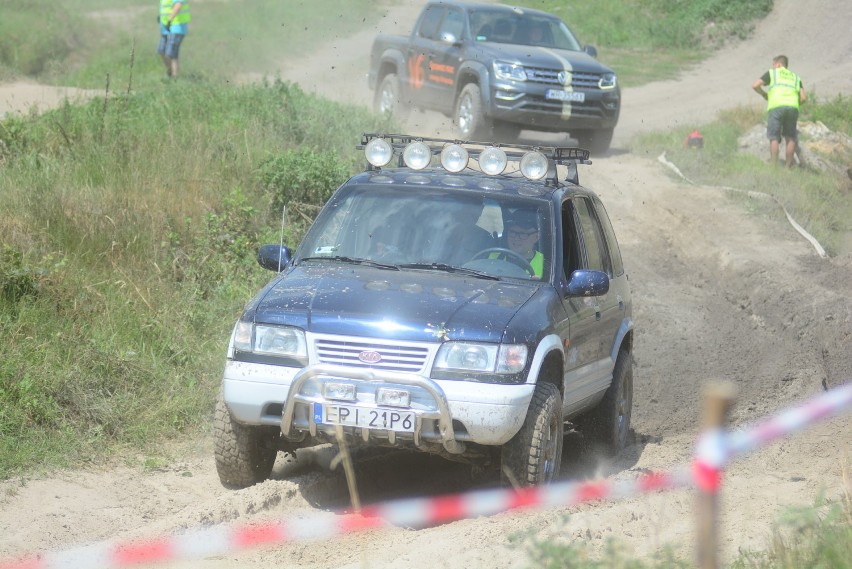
268	340
509	71
481	358
608	81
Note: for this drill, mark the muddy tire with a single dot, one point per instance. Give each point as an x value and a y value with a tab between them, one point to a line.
534	454
244	454
608	425
388	99
506	132
595	141
469	118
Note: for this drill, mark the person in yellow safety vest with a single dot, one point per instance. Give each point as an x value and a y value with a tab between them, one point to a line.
521	231
174	25
785	92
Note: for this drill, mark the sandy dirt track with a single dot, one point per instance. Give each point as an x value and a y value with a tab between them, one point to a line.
718	294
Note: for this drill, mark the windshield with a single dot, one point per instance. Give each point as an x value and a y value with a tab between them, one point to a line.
521	29
436	229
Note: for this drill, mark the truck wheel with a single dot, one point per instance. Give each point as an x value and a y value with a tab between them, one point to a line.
244	454
469	118
595	141
534	454
388	100
506	132
609	423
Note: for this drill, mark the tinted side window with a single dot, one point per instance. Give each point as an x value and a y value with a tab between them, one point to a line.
453	24
611	241
596	254
431	20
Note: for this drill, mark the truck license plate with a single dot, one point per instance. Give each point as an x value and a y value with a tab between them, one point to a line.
366	417
571	96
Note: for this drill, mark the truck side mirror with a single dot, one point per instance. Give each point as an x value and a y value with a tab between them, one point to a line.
274	257
587	283
591	50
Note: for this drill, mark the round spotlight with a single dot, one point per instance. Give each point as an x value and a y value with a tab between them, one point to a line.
378	152
417	155
493	161
534	165
454	158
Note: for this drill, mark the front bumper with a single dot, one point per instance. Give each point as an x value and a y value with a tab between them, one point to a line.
448	412
526	104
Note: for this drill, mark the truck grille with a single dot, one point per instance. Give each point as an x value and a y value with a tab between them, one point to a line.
394	357
551	77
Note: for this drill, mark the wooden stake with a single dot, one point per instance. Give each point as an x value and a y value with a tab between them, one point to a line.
718	400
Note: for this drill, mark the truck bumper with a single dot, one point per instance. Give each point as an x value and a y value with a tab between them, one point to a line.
448	411
527	106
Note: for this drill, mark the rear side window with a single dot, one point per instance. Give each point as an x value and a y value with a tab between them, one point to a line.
597	257
611	241
431	20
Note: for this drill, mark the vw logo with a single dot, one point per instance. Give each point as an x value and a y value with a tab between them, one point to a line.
370	357
565	77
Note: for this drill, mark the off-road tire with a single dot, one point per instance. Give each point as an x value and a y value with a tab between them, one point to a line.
469	117
244	454
595	141
506	132
608	424
388	99
534	454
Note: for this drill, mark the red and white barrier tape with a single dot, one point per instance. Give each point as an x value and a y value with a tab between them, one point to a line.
712	453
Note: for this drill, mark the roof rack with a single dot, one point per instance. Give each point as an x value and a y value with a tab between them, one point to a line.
555	156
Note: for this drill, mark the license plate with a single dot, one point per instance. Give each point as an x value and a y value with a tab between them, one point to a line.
366	417
571	96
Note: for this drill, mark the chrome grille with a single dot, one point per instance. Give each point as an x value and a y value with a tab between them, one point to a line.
394	357
551	77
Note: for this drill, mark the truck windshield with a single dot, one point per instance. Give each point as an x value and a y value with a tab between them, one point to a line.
432	226
500	26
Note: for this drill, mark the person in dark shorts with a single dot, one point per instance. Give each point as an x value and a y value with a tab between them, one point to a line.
174	25
784	93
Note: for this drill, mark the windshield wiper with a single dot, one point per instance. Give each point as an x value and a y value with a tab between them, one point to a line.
354	261
449	269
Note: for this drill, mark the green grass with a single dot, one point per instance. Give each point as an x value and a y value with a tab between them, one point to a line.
817	536
84	43
129	231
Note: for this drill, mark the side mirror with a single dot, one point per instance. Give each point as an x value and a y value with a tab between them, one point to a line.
591	50
274	257
588	283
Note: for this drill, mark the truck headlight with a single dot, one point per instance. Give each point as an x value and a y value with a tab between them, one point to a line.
509	71
282	341
607	81
481	358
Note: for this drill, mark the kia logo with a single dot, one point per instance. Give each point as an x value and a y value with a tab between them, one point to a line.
370	357
565	77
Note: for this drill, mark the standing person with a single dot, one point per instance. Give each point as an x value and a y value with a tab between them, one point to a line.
785	94
174	24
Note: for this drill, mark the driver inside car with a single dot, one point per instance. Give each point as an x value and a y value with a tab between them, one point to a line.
521	229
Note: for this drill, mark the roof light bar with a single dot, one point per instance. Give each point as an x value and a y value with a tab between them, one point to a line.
532	162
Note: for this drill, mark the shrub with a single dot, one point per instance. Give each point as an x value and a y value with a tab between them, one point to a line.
301	175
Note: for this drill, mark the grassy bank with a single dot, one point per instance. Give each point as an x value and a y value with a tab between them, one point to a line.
647	40
129	228
818	200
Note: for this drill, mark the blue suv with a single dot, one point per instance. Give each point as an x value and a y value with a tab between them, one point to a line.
463	299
